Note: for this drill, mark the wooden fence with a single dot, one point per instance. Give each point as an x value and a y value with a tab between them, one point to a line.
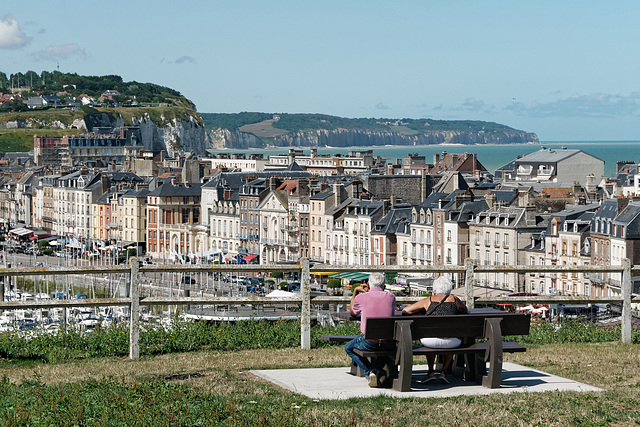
304	301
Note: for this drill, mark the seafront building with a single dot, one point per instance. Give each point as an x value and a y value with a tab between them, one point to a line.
340	210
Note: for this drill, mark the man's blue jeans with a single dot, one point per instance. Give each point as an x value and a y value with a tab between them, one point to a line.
361	344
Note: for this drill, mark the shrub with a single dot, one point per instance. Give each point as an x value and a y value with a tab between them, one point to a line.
333	283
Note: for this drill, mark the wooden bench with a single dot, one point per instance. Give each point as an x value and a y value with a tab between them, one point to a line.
471	356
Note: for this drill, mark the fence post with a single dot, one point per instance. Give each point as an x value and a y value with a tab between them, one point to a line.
469	282
626	301
305	309
134	294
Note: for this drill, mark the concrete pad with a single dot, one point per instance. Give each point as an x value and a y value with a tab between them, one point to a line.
337	383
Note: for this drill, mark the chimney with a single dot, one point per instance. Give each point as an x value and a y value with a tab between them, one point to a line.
105	183
436	158
462	198
491	200
338	193
273	183
530	215
622	203
392	200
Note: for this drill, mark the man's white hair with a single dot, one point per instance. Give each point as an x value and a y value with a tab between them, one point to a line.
442	285
376	280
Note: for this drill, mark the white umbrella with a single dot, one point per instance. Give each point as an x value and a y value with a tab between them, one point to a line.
278	293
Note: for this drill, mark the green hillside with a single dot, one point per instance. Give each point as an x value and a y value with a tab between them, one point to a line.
311	122
74	85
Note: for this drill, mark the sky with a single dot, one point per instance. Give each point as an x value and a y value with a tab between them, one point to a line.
566	70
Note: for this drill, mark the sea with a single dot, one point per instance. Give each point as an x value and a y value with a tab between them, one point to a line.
491	156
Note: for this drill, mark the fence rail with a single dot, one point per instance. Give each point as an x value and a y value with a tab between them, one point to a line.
304	301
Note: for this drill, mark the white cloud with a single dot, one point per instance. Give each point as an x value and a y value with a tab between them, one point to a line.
473	104
185	59
381	106
63	51
600	105
11	36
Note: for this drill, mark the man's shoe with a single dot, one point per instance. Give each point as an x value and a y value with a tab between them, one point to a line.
382	378
373	379
377	378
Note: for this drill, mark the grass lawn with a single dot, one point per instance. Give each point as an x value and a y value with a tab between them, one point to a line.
263	129
214	388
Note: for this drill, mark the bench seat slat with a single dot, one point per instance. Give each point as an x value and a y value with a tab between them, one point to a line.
507	347
338	338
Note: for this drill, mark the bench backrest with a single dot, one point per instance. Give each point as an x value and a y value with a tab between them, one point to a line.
460	325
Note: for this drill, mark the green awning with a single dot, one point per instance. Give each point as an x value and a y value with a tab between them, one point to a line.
351	276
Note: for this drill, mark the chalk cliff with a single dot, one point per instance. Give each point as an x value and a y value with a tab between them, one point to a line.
173	134
354	138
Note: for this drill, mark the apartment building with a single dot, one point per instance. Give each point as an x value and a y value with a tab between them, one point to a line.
134	214
278	237
567	242
551	165
601	231
496	238
224	226
173	217
384	239
250	196
359	220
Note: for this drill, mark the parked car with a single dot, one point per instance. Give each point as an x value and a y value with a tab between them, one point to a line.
188	280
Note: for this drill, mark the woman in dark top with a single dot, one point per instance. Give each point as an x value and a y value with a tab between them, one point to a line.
442	303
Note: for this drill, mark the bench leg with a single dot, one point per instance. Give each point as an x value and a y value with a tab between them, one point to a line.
494	353
404	355
355	370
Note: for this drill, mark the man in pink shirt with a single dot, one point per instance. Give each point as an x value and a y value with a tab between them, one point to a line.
373	302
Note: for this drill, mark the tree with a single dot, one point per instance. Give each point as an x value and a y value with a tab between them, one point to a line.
333	283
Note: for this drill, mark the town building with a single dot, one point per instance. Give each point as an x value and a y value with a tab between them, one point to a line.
552	165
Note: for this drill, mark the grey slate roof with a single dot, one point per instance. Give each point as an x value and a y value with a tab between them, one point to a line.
548	156
630	219
389	223
177	190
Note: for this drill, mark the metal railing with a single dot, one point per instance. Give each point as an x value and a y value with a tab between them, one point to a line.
469	269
